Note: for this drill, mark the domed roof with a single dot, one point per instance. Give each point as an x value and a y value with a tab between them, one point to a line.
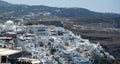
9	22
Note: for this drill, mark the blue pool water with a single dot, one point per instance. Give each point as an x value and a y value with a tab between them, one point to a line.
1	41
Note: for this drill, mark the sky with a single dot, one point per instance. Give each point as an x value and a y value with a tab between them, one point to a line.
112	6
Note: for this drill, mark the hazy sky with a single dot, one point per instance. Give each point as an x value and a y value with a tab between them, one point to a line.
94	5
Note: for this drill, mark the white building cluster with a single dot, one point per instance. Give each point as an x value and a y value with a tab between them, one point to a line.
49	44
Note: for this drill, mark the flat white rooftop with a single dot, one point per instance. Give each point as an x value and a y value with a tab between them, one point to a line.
33	61
3	38
6	52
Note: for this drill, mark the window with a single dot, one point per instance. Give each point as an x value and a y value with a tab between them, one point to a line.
3	59
41	30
